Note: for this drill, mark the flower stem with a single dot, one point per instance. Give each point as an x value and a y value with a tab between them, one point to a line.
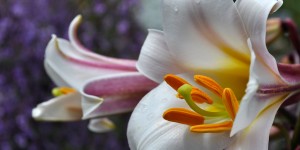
290	27
296	135
285	133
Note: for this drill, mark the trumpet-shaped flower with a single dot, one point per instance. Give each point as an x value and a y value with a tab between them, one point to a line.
222	87
89	85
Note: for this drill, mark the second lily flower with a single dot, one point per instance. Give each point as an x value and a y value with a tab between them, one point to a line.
90	85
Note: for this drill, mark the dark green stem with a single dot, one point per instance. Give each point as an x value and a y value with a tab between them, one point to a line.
296	135
285	133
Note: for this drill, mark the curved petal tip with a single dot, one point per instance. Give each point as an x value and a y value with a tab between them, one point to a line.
89	105
62	108
277	6
74	25
101	125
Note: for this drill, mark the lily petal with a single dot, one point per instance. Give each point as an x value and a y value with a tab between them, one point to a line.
126	63
65	72
263	70
121	93
213	34
62	108
147	129
156	53
254	103
100	125
257	134
254	15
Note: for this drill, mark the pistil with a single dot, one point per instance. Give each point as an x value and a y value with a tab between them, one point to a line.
185	91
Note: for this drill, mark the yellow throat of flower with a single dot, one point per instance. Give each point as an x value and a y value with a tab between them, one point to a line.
197	116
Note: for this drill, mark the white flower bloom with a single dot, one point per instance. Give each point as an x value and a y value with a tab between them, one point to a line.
100	86
223	40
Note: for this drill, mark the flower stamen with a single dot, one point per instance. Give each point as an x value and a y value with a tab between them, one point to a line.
174	81
62	91
211	128
209	83
230	102
224	115
200	97
183	116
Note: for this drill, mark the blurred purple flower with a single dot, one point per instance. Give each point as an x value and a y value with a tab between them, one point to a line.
25	28
123	26
99	8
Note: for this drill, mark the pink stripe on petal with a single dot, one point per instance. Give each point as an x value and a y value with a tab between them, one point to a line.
129	83
121	93
290	72
117	104
102	65
70	53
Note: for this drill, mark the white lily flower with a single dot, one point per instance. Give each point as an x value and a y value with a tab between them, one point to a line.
91	85
217	49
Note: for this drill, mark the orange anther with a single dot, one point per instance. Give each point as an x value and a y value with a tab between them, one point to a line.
66	90
211	128
184	116
175	81
230	102
209	83
200	97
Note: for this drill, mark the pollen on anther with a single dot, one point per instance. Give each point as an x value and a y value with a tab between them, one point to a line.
230	102
66	90
183	116
174	81
209	83
200	97
212	128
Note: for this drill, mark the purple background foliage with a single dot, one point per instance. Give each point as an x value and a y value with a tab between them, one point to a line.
25	28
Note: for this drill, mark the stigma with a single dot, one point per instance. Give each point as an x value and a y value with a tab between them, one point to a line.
196	117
